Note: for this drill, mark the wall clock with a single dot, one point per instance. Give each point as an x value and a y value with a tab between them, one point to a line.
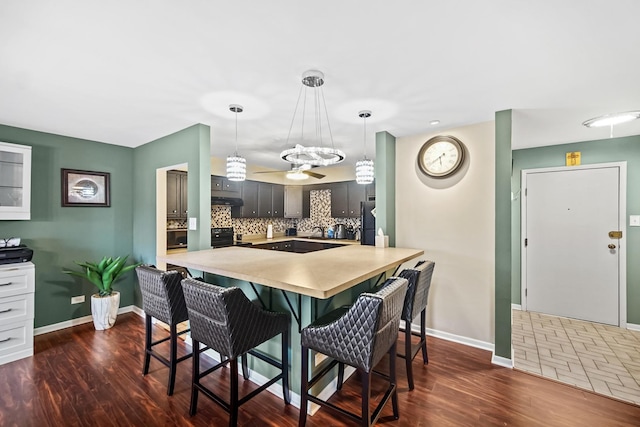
441	156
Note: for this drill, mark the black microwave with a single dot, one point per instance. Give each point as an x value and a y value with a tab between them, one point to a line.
176	238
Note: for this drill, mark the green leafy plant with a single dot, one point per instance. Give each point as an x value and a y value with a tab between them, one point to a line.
103	273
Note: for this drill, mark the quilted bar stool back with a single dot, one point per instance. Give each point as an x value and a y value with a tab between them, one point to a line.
415	304
162	299
360	338
225	320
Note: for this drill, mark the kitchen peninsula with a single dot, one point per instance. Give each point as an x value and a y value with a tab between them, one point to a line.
307	284
320	274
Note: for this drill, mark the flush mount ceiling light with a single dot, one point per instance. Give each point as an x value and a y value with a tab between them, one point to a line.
364	167
612	120
313	155
236	165
297	175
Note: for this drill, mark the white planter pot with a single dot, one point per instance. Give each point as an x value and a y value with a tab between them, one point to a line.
104	310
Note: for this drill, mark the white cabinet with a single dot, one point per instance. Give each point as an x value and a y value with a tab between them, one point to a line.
17	287
15	181
293	201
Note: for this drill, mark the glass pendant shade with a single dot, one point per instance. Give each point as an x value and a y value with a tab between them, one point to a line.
236	165
364	168
364	171
236	168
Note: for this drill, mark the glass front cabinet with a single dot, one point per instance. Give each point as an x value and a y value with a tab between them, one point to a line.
15	181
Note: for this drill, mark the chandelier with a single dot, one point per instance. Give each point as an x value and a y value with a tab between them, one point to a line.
236	165
318	155
364	167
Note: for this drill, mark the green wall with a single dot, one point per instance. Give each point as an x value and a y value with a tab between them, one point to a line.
59	235
190	146
503	235
385	172
598	151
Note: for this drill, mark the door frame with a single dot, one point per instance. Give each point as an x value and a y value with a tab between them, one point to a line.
622	252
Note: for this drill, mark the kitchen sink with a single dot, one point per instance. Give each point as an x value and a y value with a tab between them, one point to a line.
297	246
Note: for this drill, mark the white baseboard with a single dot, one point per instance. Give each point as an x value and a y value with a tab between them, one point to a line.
633	327
501	361
483	345
516	307
80	320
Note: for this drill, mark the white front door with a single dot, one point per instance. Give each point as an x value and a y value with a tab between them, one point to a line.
571	266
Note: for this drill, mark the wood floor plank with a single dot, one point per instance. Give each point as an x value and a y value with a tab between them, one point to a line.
82	377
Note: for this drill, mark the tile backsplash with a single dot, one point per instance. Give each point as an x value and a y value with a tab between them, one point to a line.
320	216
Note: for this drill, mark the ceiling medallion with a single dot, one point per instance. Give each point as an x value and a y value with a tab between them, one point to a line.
315	155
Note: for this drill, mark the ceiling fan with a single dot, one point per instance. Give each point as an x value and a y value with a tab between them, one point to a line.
298	172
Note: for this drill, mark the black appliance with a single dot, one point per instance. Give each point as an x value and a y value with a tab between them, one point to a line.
229	201
367	223
292	231
176	238
221	237
15	254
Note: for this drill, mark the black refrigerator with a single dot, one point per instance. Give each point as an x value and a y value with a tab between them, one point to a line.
367	223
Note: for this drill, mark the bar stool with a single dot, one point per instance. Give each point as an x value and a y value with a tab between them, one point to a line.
162	299
225	320
359	337
415	303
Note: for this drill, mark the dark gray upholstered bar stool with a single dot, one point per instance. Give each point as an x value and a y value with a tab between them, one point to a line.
162	299
415	303
360	337
228	322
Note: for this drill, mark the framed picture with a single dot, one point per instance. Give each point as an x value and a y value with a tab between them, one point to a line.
85	188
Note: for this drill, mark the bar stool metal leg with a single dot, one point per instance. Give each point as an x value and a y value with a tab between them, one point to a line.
196	378
147	345
423	337
302	420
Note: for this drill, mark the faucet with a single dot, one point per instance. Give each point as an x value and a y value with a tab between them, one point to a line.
317	228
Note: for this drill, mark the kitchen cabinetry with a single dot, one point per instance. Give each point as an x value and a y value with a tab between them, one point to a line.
339	200
270	200
346	197
15	181
222	187
293	201
177	194
17	287
249	209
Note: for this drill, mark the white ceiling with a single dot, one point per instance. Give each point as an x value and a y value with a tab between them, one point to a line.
129	72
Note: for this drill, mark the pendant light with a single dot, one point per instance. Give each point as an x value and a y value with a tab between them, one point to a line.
364	167
236	165
319	154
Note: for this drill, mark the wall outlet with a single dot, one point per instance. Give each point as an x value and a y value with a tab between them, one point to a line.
634	220
77	300
193	223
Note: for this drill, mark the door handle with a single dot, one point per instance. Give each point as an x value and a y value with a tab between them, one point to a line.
611	246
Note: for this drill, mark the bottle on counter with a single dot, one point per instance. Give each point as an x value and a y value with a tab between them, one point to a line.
270	231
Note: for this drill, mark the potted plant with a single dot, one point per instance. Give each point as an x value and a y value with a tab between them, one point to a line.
105	303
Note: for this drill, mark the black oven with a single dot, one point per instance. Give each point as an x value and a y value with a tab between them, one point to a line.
221	237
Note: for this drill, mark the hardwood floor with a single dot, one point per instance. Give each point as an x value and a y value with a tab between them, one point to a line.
83	377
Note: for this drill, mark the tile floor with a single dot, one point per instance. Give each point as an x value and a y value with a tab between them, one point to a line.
600	358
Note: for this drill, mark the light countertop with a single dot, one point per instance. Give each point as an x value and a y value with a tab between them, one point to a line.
319	274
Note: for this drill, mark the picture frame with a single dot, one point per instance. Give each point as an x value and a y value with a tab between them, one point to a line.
85	188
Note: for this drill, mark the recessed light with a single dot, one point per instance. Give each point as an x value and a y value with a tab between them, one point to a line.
434	122
612	119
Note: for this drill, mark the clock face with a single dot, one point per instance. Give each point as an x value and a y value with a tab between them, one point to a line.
441	156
